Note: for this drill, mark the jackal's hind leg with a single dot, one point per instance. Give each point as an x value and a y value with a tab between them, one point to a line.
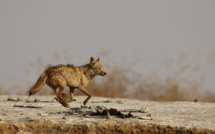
60	98
66	97
62	103
84	90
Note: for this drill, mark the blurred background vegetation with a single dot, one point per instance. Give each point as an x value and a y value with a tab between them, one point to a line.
123	81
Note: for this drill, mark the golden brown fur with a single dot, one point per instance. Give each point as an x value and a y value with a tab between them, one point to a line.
60	76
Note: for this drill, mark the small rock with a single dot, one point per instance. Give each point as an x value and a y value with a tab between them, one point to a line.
107	101
16	105
100	107
35	105
40	114
108	115
83	106
119	102
28	101
86	115
74	113
28	118
144	110
95	101
37	100
14	99
148	117
3	114
59	112
93	109
67	118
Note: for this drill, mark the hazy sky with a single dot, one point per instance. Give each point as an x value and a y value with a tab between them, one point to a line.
147	32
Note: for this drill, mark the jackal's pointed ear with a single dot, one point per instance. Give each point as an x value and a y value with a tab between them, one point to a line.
98	60
92	61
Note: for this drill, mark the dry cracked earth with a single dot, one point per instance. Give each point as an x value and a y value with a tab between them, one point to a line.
41	114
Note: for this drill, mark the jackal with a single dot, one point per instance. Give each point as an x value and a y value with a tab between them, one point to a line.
60	76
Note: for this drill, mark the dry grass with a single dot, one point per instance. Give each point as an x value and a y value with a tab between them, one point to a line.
124	82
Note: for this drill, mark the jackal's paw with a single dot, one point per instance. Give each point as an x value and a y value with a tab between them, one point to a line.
85	102
65	104
71	100
62	103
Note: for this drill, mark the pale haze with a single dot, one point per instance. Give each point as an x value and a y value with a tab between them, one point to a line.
143	35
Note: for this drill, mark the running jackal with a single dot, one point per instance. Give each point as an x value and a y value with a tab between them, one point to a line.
60	76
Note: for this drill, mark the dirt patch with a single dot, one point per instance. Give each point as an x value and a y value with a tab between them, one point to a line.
47	126
41	114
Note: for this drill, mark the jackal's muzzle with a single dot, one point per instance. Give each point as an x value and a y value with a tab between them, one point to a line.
103	73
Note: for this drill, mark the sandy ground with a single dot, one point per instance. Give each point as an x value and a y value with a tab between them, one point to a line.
41	114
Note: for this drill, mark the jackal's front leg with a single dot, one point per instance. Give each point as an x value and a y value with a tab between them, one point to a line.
84	90
72	94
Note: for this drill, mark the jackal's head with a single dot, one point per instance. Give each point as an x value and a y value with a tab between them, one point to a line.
97	67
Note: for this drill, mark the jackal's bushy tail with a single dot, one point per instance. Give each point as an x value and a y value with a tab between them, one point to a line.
38	85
